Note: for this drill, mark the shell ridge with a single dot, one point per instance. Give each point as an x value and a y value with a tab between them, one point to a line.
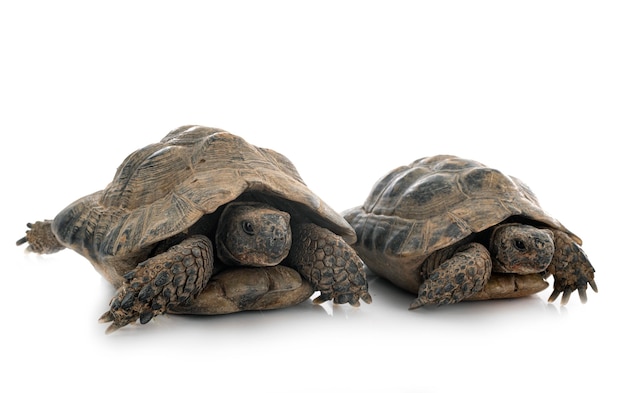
163	188
119	191
435	203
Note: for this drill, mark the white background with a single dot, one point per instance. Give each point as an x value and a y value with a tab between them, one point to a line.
348	91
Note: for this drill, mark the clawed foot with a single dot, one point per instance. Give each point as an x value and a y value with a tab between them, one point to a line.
127	306
345	288
582	293
566	285
40	238
173	277
571	269
330	264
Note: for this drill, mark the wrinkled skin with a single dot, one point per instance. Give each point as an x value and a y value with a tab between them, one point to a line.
524	253
521	249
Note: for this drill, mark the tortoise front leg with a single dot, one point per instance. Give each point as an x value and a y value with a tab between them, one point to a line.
329	263
165	280
571	269
463	274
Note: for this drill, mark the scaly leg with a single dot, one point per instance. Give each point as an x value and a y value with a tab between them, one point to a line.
571	269
40	238
329	263
165	280
463	274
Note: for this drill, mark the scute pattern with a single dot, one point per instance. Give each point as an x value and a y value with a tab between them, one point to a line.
425	223
436	201
163	188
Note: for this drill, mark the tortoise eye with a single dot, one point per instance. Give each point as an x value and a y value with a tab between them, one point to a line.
519	244
248	227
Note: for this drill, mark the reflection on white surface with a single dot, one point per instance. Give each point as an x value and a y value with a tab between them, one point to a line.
347	90
378	346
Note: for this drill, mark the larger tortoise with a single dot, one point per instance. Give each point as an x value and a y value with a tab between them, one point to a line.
205	223
450	229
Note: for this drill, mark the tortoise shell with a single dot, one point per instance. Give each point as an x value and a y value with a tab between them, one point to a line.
433	203
165	188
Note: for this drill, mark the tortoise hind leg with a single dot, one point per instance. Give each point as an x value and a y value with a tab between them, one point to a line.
165	280
40	238
466	272
329	264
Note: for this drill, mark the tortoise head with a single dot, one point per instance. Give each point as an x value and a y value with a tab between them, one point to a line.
521	249
253	234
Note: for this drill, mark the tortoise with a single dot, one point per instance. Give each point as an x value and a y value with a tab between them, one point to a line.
450	229
204	222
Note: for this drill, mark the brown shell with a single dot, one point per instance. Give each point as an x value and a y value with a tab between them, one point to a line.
164	188
436	201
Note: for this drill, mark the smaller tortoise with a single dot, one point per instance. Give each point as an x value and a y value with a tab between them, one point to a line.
450	229
205	223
